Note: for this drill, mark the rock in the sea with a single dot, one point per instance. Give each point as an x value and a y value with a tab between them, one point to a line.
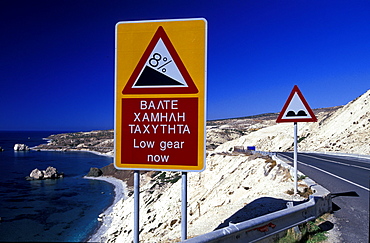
21	147
37	174
49	173
1	149
94	172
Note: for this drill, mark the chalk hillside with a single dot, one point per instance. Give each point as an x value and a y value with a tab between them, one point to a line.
344	129
238	186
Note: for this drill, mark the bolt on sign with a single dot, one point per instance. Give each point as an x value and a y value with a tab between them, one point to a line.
160	95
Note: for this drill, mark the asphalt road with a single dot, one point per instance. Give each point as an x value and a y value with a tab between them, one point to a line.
347	178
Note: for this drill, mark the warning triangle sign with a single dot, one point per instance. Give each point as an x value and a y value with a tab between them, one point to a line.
160	70
296	109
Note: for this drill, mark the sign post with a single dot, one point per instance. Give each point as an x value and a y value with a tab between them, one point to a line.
136	205
296	109
184	206
295	164
160	96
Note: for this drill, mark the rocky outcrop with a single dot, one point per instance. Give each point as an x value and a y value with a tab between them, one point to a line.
110	171
36	174
124	175
21	147
94	172
49	173
96	141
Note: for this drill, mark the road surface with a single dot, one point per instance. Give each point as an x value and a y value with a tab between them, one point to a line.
347	178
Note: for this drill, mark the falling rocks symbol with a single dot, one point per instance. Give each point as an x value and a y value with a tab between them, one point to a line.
151	77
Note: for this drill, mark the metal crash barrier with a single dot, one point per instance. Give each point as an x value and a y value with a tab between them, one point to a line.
265	226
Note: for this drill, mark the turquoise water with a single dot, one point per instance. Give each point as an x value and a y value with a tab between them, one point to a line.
59	210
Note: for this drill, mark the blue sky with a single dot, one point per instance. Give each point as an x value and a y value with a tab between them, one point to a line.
57	56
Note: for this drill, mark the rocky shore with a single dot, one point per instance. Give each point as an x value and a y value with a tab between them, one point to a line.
21	147
101	141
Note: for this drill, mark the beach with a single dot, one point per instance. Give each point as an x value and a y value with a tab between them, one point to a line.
120	191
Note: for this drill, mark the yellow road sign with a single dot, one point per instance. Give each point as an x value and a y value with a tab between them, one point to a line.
160	95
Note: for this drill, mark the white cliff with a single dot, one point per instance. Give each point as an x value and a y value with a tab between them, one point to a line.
346	130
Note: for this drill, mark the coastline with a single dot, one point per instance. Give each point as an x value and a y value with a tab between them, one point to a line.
72	150
120	193
106	216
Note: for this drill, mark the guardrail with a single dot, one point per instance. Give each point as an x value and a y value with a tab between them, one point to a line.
243	149
265	153
259	228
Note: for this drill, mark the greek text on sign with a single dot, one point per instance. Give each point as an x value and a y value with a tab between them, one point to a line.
160	131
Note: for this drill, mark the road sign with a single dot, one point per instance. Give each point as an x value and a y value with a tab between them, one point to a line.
296	109
160	95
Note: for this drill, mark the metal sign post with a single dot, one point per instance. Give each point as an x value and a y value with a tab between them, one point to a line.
296	109
136	205
295	158
184	202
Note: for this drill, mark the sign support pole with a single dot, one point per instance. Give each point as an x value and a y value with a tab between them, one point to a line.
184	202
136	205
296	109
295	156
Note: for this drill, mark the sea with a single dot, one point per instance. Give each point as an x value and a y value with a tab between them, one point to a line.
53	210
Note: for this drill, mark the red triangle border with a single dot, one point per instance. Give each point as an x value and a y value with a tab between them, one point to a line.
160	34
285	107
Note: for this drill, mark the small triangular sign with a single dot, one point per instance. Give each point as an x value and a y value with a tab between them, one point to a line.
296	109
160	70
